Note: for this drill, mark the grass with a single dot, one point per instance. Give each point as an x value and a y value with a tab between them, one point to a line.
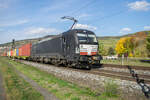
110	89
61	89
16	87
126	62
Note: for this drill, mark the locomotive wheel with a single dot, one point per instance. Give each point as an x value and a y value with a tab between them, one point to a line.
88	67
84	66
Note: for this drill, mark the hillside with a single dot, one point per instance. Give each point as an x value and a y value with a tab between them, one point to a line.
111	42
21	42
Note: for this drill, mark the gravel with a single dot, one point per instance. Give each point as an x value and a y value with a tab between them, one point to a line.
95	82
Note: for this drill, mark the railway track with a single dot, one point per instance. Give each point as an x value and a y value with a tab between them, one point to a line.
121	75
115	74
126	67
129	76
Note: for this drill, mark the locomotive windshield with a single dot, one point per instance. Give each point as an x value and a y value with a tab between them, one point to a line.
86	37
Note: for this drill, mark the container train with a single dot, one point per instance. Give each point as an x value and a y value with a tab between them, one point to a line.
74	48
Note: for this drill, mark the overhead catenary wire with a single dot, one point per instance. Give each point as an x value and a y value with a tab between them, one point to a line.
97	19
101	18
89	3
77	11
81	8
109	16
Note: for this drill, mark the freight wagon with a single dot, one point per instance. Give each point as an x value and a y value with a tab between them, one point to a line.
24	51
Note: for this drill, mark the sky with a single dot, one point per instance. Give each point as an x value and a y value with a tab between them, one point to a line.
26	19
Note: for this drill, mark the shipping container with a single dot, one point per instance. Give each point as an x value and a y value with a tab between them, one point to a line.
11	53
17	52
25	50
14	52
20	51
4	54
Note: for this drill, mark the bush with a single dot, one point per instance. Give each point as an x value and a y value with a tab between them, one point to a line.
110	89
111	51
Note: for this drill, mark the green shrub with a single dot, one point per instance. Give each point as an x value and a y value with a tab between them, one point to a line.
110	89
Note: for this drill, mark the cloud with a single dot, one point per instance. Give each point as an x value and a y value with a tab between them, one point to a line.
147	27
27	33
84	26
39	30
139	5
125	30
14	23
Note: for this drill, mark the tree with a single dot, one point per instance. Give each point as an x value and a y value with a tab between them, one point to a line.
126	45
102	51
120	48
130	45
111	51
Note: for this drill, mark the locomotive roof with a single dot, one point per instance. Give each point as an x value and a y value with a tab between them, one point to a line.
70	31
79	30
49	38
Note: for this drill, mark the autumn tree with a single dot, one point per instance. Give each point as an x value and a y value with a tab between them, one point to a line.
120	48
126	45
130	45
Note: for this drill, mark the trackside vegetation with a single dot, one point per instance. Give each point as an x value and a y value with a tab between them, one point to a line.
131	62
110	89
16	87
62	89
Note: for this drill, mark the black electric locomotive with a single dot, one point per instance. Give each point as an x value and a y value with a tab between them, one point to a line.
75	48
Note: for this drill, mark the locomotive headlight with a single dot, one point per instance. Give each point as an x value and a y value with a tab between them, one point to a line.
95	58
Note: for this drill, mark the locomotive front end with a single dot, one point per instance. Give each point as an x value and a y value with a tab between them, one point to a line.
88	48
